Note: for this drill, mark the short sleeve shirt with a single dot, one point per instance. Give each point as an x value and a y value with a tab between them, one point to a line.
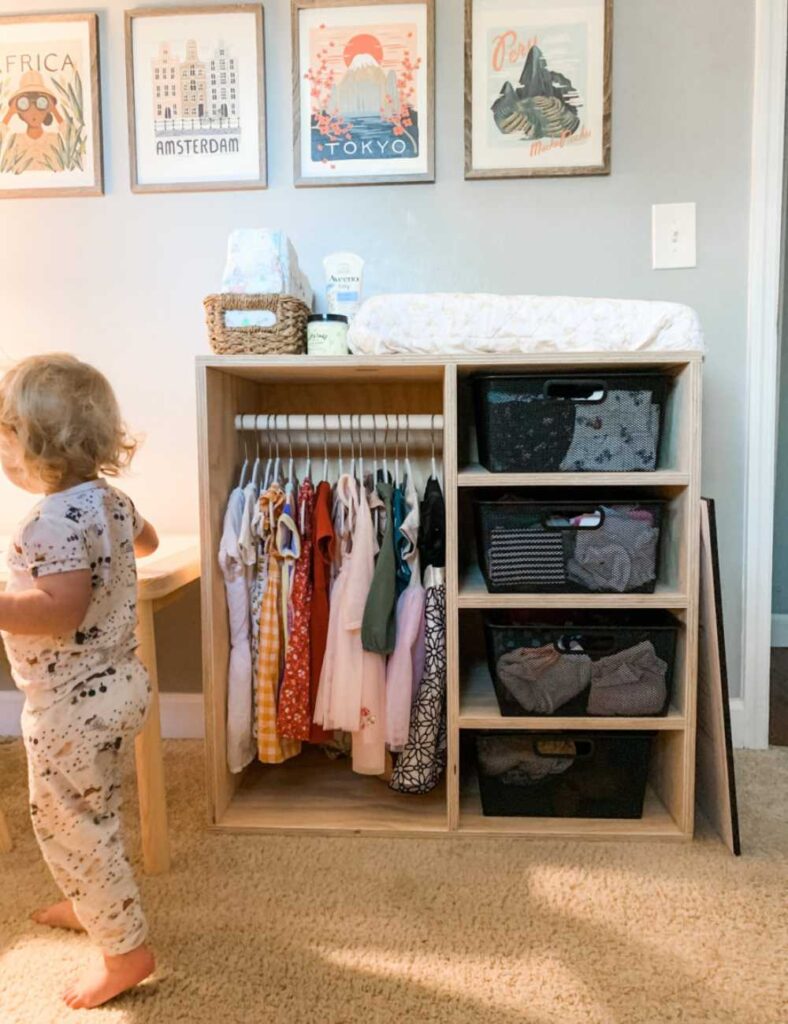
91	526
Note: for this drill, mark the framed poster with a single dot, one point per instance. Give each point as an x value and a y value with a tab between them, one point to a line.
538	85
195	81
50	110
364	92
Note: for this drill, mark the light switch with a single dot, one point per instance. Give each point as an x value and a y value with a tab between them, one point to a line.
673	236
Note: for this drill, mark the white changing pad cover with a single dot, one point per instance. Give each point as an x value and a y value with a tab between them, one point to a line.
466	323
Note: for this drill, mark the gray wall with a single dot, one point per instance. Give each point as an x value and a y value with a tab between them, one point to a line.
120	280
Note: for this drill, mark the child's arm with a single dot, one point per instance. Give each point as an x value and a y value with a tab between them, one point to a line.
146	541
54	604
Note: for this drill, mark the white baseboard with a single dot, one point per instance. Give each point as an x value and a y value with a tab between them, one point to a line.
181	714
779	630
738	723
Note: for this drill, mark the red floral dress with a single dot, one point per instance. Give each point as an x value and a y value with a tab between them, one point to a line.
294	715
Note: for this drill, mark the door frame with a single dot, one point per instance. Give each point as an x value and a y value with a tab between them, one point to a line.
750	713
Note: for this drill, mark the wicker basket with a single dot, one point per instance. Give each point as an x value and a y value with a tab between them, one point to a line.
285	337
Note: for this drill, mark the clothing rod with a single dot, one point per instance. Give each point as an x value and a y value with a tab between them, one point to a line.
313	422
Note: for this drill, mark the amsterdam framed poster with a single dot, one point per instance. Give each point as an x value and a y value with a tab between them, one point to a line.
50	110
538	81
364	92
195	80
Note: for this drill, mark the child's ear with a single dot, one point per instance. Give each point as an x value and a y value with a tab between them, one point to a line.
10	112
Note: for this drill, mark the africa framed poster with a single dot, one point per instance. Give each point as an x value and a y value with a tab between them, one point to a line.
195	80
364	92
538	82
50	110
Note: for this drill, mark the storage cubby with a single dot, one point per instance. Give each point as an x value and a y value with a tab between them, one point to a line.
314	793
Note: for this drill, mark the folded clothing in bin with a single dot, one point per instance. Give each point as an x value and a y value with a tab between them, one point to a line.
592	663
540	546
532	423
563	775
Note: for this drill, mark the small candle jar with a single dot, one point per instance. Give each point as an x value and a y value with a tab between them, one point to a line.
326	334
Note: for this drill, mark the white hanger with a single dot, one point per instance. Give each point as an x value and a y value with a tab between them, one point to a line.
360	455
325	450
308	470
256	467
352	449
245	466
432	437
270	464
396	455
386	451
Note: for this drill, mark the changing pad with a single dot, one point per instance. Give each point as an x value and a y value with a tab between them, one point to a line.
460	323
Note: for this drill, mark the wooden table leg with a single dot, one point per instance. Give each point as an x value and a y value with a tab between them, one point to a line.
5	835
150	765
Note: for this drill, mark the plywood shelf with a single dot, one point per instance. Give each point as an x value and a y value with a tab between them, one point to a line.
479	710
656	823
312	793
474	475
473	593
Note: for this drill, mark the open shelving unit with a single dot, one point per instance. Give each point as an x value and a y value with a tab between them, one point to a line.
313	793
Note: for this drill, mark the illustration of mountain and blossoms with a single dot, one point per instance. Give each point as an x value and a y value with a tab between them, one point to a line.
545	105
363	96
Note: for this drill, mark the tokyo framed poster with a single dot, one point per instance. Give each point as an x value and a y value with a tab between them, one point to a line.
364	92
195	80
538	82
50	110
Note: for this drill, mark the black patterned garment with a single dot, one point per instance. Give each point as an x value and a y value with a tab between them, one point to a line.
423	760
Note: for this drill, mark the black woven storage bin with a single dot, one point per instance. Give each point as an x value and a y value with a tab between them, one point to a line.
589	423
599	774
596	634
534	546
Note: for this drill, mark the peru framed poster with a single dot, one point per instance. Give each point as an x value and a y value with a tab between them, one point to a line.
364	92
538	82
195	80
50	110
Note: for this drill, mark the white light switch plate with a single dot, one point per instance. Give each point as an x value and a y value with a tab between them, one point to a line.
673	236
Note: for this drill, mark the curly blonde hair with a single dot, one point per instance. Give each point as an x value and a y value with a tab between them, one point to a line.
66	418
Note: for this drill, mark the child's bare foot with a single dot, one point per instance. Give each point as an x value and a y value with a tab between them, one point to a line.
116	974
59	915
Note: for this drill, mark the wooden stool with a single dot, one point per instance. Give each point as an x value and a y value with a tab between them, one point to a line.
161	578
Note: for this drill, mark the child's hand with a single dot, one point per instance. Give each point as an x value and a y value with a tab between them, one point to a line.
146	541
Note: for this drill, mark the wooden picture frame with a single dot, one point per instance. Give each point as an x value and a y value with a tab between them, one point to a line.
579	139
385	143
64	75
212	124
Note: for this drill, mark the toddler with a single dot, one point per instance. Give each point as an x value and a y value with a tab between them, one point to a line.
68	619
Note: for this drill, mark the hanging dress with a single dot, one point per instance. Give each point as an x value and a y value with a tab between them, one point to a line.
271	748
379	629
400	507
405	666
322	565
420	765
240	744
294	713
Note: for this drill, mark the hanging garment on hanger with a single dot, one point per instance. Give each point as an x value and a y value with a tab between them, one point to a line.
240	745
247	540
257	590
294	712
338	703
322	563
288	546
432	533
379	629
401	542
406	665
423	761
369	739
271	748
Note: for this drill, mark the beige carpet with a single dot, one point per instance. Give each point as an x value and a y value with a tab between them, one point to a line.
280	929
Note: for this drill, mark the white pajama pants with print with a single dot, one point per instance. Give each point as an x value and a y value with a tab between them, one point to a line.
73	750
